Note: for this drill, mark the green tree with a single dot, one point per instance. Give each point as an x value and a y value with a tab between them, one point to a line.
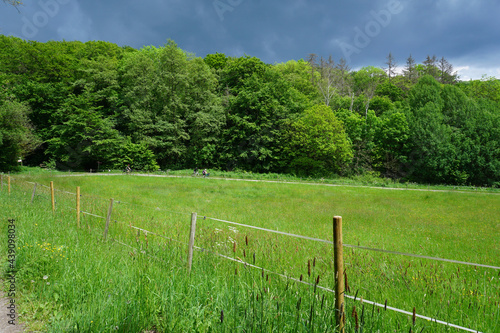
426	90
432	155
83	139
205	116
16	134
137	156
381	105
317	143
170	105
298	73
482	130
453	139
476	135
45	100
216	61
361	132
233	76
391	144
390	90
366	81
256	108
486	88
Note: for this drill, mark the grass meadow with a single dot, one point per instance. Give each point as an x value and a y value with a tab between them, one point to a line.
69	279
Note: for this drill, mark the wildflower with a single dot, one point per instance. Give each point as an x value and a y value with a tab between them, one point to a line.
45	277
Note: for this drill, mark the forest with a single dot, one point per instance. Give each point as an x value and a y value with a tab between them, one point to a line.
78	106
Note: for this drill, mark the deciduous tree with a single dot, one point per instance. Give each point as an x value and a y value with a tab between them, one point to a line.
317	142
17	138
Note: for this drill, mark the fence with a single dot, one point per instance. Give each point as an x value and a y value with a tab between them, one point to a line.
339	272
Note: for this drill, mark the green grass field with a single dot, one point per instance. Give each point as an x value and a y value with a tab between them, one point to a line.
93	285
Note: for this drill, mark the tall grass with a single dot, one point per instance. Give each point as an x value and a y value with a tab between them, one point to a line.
97	285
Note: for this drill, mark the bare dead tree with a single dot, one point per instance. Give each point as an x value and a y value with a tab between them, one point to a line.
312	60
430	66
327	82
391	66
446	72
345	80
409	71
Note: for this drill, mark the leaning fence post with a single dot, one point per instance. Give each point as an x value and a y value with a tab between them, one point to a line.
339	273
78	207
33	194
52	196
108	218
191	241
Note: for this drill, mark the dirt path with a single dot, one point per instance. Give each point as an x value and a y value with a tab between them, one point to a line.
5	326
279	182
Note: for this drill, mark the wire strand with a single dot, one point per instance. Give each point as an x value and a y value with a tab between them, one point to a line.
348	296
356	247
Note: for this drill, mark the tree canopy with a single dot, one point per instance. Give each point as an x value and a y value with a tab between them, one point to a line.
97	105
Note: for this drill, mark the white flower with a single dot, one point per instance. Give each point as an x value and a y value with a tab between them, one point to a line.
45	277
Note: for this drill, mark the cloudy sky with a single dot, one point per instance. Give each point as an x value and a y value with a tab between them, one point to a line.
465	32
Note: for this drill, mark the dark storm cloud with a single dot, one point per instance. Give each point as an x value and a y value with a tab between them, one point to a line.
362	31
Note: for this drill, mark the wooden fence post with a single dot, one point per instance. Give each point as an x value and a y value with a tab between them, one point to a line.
78	207
339	273
191	241
52	198
1	182
8	183
33	194
108	218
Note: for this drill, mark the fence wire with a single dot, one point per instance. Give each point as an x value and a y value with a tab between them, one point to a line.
355	246
385	306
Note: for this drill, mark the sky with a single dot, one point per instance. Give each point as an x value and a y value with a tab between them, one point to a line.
364	32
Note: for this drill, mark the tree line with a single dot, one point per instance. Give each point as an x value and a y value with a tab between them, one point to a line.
96	105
